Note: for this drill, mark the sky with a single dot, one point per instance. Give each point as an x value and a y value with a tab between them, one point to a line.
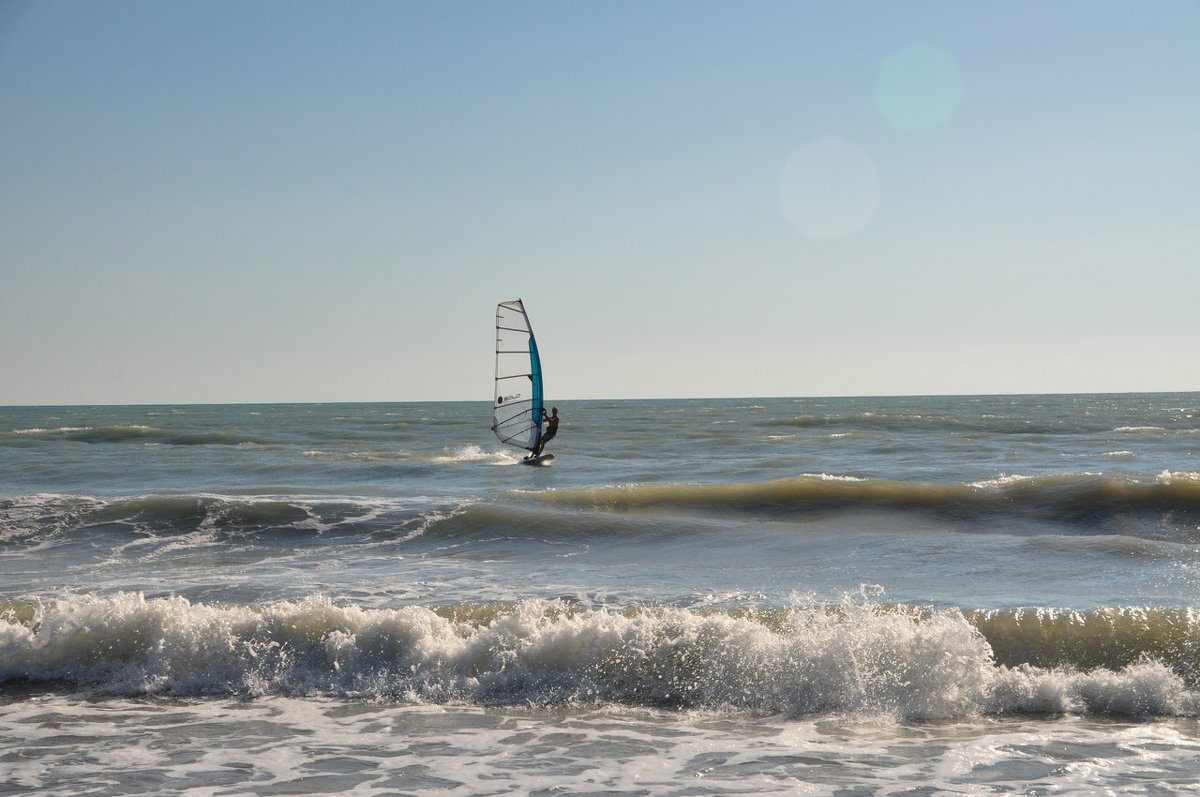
255	201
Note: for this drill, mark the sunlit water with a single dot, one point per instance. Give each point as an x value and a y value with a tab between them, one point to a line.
698	597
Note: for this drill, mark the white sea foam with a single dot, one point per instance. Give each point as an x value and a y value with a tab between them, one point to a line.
1178	477
831	477
476	453
855	657
1000	482
362	455
317	746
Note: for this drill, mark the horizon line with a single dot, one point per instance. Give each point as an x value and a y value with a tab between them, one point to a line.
748	397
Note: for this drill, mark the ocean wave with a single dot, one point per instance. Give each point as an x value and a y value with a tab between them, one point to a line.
851	657
38	430
1099	638
954	423
1166	509
39	518
1080	497
1140	430
134	433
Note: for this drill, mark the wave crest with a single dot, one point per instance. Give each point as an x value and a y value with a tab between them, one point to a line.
1069	498
856	657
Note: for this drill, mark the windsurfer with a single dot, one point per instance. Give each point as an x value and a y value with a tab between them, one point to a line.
551	430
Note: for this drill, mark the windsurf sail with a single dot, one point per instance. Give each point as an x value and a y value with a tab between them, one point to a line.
517	407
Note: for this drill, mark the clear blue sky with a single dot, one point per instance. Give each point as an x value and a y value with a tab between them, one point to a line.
310	201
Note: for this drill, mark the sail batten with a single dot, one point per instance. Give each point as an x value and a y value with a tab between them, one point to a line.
516	407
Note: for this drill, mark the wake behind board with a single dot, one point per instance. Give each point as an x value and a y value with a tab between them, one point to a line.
544	459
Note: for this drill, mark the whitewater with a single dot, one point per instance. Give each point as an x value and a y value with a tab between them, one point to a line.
917	595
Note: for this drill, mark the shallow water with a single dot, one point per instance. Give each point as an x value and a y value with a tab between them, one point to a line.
289	746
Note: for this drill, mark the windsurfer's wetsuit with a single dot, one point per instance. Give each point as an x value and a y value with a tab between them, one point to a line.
551	430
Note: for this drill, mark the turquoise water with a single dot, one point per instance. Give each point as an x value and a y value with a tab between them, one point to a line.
698	596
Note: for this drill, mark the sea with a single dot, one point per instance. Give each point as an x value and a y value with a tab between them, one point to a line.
804	596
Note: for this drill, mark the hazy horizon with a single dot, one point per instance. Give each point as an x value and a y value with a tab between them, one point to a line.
570	399
249	202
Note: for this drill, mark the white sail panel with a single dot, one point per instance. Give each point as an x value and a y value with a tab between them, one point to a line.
517	405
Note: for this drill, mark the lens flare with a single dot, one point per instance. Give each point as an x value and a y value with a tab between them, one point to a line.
829	188
919	88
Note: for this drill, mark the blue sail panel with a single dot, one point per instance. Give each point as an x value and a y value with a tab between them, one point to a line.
535	364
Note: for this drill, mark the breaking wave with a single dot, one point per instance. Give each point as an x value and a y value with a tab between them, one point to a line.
855	656
1081	502
1071	497
37	518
